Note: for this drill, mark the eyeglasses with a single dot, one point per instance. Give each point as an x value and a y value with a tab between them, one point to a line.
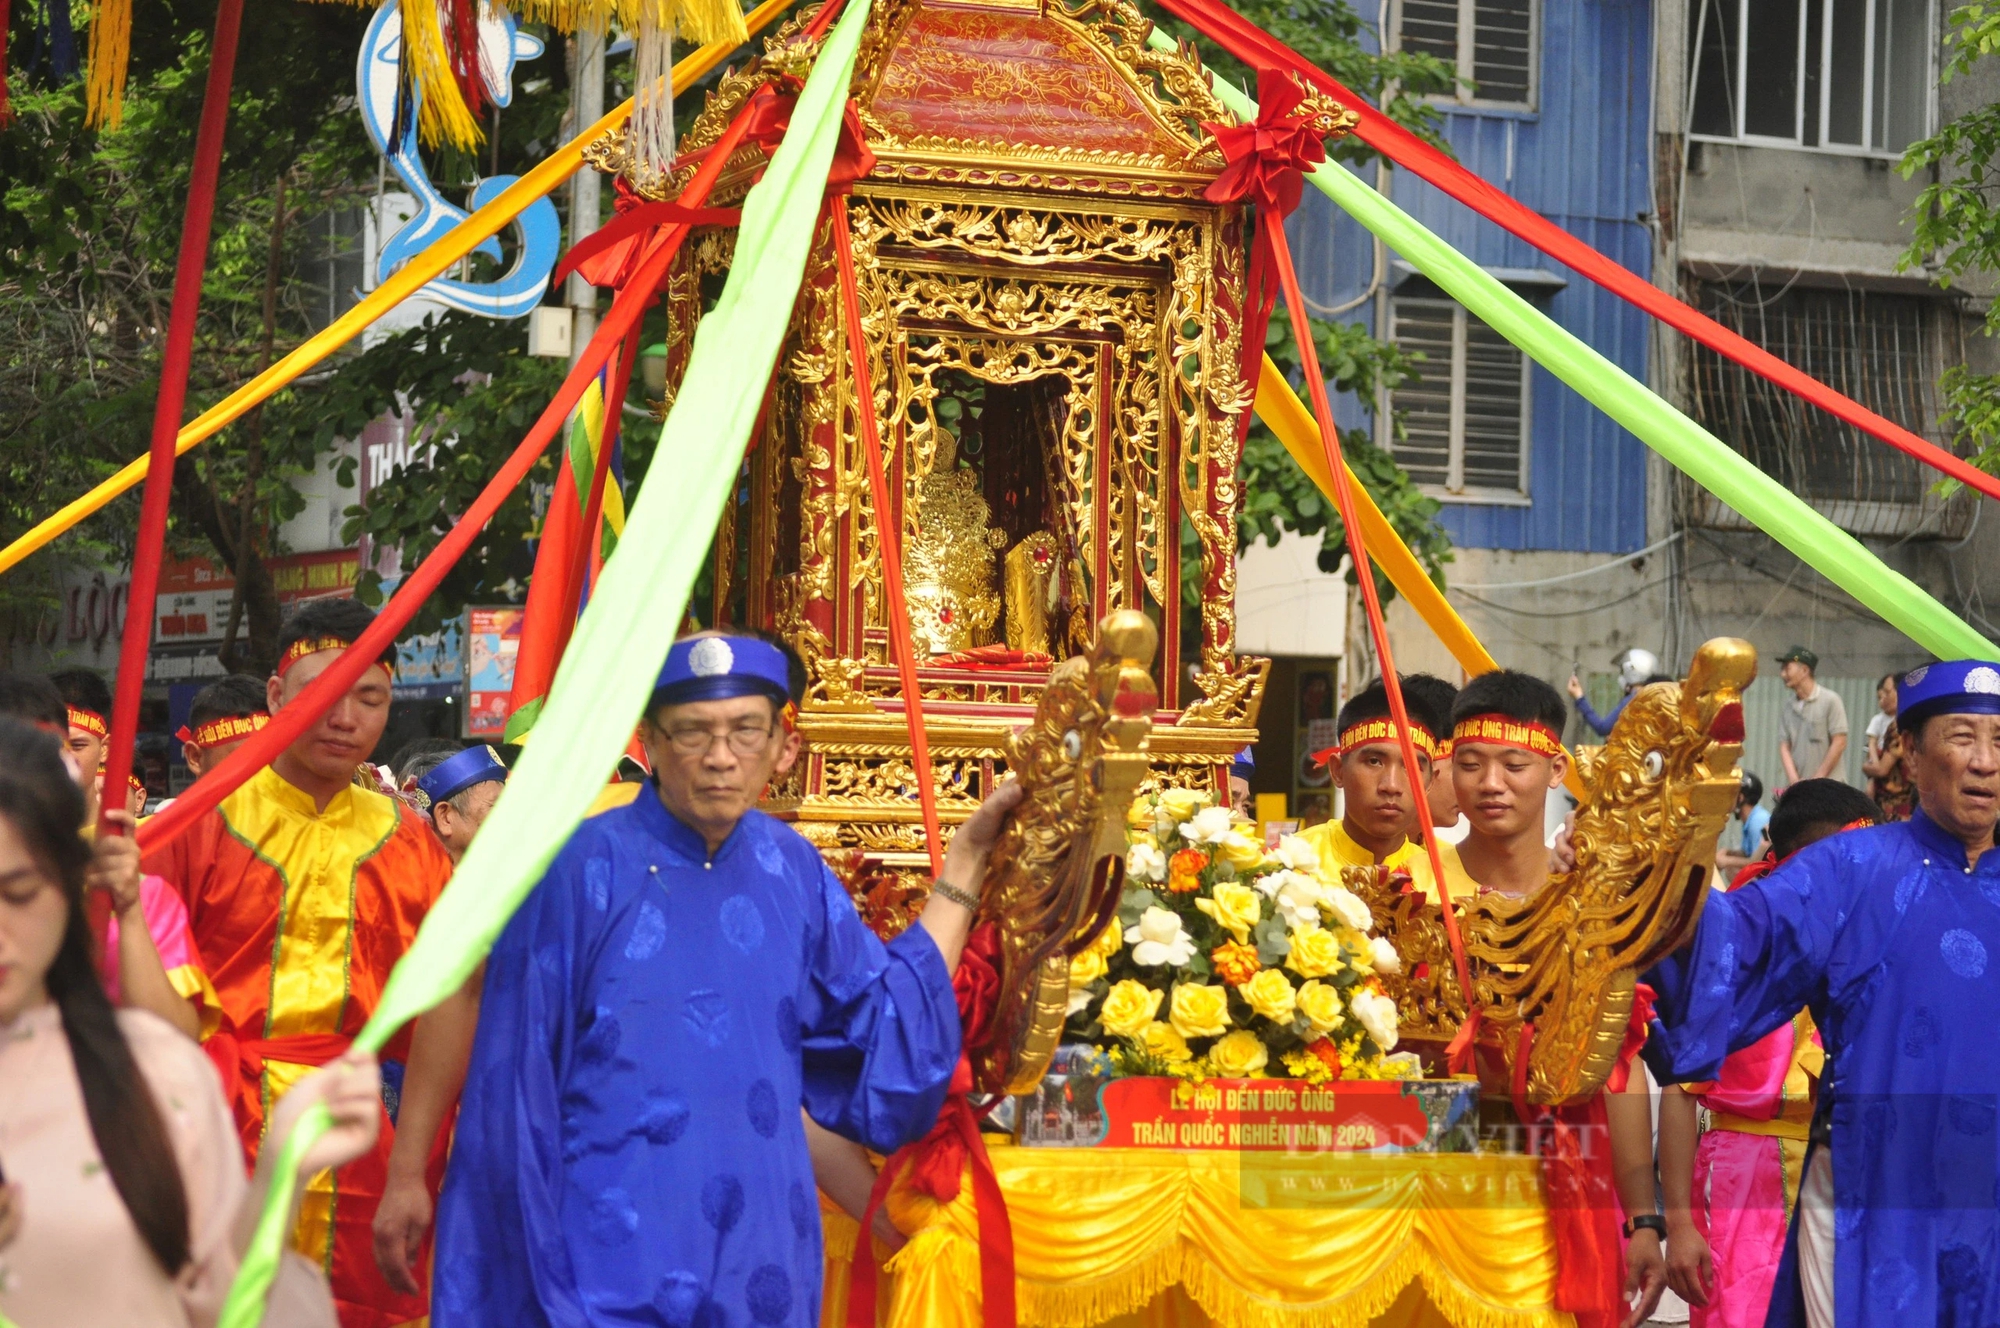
694	740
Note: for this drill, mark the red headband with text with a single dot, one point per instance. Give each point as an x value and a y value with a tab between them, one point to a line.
1379	729
312	645
89	721
216	732
1506	731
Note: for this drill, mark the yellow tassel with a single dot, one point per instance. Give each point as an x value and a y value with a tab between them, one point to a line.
705	21
110	54
442	116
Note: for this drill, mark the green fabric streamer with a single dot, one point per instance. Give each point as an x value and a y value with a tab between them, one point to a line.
608	672
1709	461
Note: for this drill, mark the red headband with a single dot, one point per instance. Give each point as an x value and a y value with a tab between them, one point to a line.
230	728
1379	729
1506	731
89	721
312	645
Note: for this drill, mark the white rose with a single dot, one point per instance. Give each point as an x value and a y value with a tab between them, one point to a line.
1210	825
1297	854
1079	997
1347	906
1299	900
1376	1014
1382	956
1159	938
1146	862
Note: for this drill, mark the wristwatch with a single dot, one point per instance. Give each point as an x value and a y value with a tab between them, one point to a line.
1652	1222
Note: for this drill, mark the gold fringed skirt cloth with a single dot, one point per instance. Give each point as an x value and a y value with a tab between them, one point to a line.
1169	1239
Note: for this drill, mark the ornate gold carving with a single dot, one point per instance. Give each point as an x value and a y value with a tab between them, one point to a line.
1565	958
948	569
1054	878
890	783
1032	579
1231	697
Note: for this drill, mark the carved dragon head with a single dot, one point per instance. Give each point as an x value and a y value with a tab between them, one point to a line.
1054	879
1566	958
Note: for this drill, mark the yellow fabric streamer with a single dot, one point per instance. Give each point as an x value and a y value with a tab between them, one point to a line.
110	55
1252	1240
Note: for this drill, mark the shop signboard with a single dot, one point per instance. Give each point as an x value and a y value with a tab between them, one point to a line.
492	643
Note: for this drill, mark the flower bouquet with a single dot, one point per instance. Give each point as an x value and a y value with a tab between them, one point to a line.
1227	962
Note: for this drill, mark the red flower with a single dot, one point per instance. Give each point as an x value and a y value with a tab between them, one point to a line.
1328	1054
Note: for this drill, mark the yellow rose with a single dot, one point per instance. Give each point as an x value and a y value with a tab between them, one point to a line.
1086	968
1199	1010
1241	1055
1128	1007
1236	908
1107	941
1181	804
1139	816
1270	994
1240	851
1315	953
1159	1039
1320	1004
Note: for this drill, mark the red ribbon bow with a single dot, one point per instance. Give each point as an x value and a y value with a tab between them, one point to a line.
1267	158
1265	162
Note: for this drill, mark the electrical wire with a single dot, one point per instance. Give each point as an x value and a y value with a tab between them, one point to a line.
1572	576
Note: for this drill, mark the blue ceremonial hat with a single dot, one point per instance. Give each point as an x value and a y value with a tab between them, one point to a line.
711	668
1955	687
1245	763
457	773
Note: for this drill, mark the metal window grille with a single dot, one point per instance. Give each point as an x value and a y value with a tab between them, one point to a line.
1465	422
1491	43
1882	350
1840	75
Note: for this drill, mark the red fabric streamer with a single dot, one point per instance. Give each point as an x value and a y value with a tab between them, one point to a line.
1275	151
888	517
936	1163
319	695
148	550
1255	47
290	723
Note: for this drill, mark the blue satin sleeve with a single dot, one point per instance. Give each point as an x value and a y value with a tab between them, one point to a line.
878	1026
1760	954
502	1256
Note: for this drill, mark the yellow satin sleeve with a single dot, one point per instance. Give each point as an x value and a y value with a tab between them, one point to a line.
1166	1238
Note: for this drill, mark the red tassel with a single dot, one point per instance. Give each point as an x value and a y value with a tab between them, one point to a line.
462	36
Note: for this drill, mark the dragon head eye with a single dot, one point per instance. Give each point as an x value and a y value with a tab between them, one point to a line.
1655	765
1072	744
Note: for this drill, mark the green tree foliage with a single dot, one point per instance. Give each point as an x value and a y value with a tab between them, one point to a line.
1957	219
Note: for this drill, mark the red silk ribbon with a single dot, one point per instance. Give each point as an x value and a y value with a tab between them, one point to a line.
936	1163
1265	164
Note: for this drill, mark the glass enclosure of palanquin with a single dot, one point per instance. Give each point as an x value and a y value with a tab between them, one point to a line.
1052	321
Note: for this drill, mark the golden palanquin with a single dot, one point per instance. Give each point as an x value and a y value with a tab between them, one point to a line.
1053	320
